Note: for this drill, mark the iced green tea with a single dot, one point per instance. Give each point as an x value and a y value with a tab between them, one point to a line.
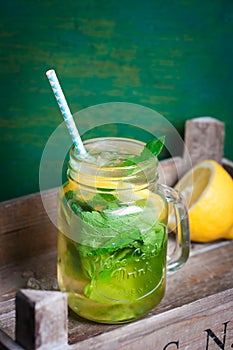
112	240
118	276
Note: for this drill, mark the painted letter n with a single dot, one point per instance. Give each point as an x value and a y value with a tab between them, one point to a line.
210	333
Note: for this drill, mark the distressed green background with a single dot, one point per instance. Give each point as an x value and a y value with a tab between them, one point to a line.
172	56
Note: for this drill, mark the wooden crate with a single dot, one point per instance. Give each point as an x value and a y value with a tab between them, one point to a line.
196	312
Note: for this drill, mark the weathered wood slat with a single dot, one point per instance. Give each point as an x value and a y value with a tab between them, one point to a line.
204	139
200	325
205	274
7	343
169	170
25	229
41	319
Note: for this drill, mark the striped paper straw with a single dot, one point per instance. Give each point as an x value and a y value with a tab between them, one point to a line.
68	118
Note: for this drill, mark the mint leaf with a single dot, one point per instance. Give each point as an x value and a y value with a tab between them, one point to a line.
112	233
154	238
101	201
151	149
94	219
76	204
125	235
124	239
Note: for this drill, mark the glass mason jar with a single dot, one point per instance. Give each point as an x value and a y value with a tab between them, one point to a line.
112	239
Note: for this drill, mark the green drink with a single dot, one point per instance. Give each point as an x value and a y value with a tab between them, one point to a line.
112	240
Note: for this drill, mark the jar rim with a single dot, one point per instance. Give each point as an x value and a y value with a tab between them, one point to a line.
98	140
123	146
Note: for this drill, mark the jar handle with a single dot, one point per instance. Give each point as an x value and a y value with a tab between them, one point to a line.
180	253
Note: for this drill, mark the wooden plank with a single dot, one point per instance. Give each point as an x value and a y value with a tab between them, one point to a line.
169	170
41	319
202	325
16	276
7	343
25	229
204	139
204	274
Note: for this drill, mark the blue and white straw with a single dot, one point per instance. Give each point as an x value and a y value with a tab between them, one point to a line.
68	118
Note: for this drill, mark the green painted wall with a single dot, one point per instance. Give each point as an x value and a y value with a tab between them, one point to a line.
174	56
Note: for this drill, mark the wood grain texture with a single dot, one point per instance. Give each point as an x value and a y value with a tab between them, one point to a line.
41	319
25	229
203	276
208	272
169	170
181	328
7	343
204	139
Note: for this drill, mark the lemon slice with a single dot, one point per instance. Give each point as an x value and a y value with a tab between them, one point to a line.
88	189
126	193
208	191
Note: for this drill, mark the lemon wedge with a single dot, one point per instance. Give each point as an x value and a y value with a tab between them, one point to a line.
208	191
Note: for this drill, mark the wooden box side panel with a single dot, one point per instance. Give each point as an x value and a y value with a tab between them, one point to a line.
25	228
206	324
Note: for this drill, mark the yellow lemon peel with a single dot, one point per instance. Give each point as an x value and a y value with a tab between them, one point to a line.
210	201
